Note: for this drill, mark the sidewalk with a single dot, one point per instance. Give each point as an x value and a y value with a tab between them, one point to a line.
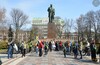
54	57
12	61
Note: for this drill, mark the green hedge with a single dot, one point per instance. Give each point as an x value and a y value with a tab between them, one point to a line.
3	44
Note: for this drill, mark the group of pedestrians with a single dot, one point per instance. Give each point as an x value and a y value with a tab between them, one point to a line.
17	48
42	47
77	49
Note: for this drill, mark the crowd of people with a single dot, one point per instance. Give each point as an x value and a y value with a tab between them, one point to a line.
43	47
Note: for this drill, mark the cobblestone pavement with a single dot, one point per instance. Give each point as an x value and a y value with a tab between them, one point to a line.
55	58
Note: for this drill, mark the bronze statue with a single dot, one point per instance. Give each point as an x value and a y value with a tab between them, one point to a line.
51	13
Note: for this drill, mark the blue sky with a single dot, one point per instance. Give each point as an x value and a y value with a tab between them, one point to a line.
38	8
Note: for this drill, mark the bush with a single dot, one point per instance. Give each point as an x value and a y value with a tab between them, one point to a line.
3	44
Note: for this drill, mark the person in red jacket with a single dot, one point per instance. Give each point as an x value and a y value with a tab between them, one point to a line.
40	46
60	45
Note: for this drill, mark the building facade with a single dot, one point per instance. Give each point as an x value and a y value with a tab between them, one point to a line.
42	25
22	35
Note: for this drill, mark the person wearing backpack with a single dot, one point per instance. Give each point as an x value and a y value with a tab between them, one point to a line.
10	49
46	48
23	49
75	49
30	46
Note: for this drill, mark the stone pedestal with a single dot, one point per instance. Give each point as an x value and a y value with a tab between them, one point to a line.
51	30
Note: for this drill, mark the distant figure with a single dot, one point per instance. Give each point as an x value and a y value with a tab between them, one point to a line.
64	50
23	48
46	48
50	45
51	13
30	46
40	46
93	51
75	49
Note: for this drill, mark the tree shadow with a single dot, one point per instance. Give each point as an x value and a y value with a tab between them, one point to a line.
87	61
3	56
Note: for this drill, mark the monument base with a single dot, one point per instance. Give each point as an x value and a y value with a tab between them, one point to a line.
51	30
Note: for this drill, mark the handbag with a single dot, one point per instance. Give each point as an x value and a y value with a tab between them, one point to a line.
15	47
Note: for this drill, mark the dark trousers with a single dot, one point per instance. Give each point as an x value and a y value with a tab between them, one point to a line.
65	53
30	48
80	54
23	52
40	52
93	55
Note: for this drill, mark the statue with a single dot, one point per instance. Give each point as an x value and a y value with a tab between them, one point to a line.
51	13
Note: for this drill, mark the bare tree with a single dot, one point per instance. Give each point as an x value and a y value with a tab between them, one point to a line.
97	26
19	19
89	21
81	26
2	20
88	25
2	14
68	26
58	26
58	30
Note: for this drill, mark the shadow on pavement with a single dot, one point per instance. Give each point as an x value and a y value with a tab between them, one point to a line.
89	61
3	56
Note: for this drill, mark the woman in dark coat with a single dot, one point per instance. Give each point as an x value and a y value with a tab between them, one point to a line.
93	51
50	46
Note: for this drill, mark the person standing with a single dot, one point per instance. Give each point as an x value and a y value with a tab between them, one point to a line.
10	49
23	49
36	49
56	44
30	46
46	48
50	45
64	50
75	49
60	45
71	47
80	49
93	51
40	46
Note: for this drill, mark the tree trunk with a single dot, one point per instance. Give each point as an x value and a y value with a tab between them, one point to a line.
16	35
96	40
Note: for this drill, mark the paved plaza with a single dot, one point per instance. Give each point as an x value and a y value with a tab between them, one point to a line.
53	58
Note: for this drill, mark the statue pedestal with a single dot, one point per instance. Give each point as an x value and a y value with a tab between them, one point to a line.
51	30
